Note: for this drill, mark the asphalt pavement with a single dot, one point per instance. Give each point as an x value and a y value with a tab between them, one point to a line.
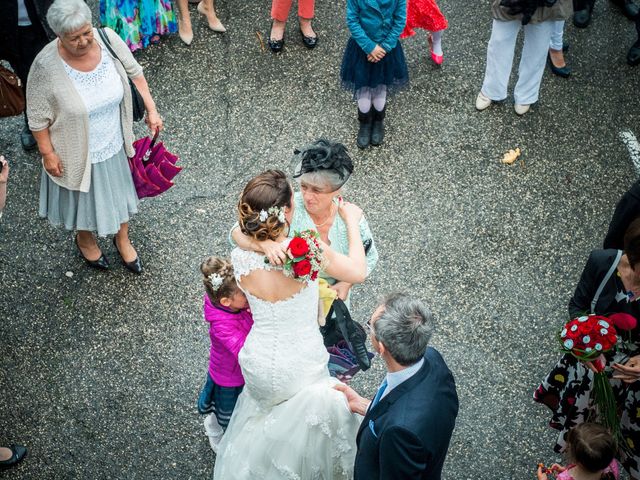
100	371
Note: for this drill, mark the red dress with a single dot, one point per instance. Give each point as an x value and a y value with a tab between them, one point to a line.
423	14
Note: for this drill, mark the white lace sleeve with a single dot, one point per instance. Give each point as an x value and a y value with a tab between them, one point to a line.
245	261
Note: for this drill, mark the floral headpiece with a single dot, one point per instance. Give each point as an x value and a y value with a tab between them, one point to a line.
216	281
273	211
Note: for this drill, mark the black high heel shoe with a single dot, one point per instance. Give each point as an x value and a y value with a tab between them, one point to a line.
134	266
563	72
276	46
18	452
101	264
309	42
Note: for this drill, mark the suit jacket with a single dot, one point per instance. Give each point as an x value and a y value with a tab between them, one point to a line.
376	22
37	10
406	435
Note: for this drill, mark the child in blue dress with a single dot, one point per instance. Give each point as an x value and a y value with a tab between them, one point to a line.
373	63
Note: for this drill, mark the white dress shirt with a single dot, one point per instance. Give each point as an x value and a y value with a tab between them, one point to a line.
396	378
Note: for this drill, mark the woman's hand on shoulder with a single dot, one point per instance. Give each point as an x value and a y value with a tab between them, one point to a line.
275	252
349	212
52	164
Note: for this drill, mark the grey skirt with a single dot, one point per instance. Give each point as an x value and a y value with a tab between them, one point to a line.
110	201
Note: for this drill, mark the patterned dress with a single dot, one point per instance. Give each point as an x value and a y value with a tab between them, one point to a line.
423	14
566	390
138	21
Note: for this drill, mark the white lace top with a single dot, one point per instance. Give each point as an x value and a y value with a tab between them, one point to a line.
101	92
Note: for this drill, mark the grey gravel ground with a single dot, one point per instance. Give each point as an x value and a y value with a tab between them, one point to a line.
100	371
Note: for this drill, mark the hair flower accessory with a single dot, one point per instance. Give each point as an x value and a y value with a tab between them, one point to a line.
216	280
274	211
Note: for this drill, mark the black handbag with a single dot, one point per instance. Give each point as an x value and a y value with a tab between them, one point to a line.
137	102
340	326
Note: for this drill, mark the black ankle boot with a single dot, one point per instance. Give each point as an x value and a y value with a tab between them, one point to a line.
628	8
582	10
364	132
377	130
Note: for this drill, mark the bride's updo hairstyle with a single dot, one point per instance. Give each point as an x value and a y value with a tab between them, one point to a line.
267	190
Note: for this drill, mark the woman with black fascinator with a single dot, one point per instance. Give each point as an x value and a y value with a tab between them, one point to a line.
321	169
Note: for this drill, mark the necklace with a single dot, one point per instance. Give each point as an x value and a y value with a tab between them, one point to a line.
318	225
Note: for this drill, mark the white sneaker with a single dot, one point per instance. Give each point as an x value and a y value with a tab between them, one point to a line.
521	109
214	431
482	101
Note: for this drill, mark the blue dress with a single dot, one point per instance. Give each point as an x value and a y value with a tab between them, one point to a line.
371	23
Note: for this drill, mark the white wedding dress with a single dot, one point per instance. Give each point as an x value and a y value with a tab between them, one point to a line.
289	423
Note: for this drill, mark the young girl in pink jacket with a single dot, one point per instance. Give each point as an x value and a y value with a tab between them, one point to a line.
226	311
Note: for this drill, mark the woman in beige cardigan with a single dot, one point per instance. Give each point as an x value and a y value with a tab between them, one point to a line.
80	112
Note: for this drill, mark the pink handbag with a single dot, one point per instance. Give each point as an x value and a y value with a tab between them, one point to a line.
153	167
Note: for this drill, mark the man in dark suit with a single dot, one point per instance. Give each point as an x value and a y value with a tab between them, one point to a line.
407	427
23	33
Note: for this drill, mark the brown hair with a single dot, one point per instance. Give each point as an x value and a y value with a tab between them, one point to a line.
632	243
592	446
269	189
222	267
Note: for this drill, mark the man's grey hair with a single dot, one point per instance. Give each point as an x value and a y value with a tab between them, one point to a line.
404	327
66	16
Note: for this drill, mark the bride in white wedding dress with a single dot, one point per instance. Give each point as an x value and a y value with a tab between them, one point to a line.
289	423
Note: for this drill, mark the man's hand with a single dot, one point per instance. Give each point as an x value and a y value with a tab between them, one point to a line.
357	404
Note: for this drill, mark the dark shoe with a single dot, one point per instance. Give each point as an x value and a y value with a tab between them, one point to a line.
101	264
628	8
563	72
309	42
377	130
364	132
19	452
582	13
27	140
633	57
565	47
276	45
134	266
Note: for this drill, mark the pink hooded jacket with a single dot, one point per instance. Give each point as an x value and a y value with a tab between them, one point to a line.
228	331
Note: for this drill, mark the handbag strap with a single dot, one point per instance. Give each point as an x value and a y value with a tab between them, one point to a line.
107	43
606	278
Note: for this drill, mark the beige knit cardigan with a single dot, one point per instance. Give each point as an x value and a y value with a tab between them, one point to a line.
54	103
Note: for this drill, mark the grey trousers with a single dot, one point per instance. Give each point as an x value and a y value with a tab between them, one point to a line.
500	53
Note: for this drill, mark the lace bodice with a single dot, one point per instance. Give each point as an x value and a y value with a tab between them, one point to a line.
101	91
273	365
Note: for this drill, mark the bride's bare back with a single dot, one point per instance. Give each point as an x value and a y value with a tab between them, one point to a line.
270	285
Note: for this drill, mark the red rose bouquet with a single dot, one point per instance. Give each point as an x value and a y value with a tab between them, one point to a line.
587	338
305	256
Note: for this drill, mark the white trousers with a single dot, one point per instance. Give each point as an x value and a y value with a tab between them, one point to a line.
500	54
557	33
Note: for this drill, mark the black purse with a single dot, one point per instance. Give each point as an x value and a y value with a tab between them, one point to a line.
137	102
340	326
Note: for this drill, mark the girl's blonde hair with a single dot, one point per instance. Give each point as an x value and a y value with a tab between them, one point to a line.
218	279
